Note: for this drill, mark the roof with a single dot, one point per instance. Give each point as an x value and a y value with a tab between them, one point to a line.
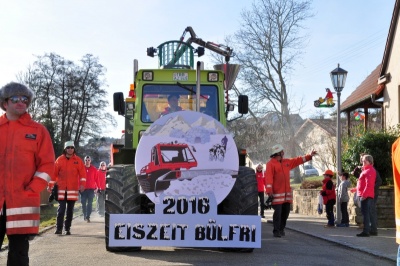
361	96
328	125
390	38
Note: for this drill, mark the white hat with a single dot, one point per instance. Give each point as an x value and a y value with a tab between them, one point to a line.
276	148
69	143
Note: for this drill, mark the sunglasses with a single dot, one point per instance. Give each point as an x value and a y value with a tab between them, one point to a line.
103	165
16	99
88	160
69	148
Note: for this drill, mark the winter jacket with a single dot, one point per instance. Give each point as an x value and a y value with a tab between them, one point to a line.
396	179
91	173
277	178
27	163
366	182
342	190
69	174
328	190
260	181
101	179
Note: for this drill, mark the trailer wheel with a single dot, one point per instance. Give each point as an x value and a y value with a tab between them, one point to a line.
122	197
242	200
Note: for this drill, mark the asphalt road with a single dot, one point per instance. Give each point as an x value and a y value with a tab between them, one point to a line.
86	246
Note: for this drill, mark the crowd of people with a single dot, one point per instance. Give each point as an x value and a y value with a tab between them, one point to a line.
28	143
275	183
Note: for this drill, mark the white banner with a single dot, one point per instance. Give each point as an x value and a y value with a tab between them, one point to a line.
185	221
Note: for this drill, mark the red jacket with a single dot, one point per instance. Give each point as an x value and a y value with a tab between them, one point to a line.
91	172
69	174
101	179
366	182
277	178
27	163
260	181
329	190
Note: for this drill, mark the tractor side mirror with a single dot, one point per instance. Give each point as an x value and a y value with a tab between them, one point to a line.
243	104
119	104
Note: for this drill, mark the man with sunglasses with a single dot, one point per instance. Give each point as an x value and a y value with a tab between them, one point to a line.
27	162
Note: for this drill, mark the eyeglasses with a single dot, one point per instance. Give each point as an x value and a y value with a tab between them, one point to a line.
69	148
103	165
16	99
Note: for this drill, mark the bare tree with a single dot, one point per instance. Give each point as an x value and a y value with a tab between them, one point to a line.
267	46
70	99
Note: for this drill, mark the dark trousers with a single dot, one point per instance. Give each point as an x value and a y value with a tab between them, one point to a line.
262	202
345	214
67	205
365	210
373	215
281	214
87	197
18	245
329	211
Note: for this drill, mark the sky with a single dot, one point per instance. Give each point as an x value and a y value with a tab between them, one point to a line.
352	33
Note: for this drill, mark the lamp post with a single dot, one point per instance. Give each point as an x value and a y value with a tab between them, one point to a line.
338	77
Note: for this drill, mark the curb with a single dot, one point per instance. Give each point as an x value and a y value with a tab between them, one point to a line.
371	252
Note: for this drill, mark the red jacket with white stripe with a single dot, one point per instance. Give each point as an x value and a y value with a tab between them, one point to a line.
69	174
277	178
27	163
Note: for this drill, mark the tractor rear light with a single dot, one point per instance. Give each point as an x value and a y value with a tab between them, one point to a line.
243	151
212	76
178	174
147	75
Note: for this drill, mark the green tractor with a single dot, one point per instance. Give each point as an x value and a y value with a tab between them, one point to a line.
198	90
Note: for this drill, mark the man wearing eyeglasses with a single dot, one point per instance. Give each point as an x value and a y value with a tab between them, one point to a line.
87	195
27	162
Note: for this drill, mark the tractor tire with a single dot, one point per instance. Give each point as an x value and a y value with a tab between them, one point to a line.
242	200
122	197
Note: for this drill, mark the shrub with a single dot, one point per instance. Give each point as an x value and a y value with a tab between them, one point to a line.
376	143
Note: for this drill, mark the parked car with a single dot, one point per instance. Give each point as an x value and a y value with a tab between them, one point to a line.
309	170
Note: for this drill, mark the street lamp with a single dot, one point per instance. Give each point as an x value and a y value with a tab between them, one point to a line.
338	77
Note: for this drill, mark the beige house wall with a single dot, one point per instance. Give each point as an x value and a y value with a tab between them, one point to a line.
314	137
392	92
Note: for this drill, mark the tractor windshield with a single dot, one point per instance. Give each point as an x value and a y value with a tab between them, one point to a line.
159	100
172	154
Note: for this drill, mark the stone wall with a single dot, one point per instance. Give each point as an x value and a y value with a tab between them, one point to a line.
305	201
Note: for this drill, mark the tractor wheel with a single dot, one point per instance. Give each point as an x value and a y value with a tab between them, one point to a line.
122	197
242	200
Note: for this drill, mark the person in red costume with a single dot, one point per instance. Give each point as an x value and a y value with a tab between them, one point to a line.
329	97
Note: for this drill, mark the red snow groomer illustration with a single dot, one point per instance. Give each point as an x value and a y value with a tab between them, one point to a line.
167	161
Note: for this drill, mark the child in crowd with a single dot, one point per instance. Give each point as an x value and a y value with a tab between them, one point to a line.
343	197
329	196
